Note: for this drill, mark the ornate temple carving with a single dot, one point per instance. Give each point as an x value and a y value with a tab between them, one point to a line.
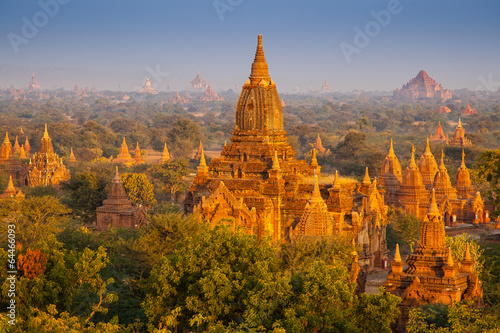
259	186
421	87
117	210
45	166
433	275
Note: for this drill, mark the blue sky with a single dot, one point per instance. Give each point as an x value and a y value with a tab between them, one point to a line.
111	43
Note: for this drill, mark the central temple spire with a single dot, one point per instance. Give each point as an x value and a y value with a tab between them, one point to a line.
259	67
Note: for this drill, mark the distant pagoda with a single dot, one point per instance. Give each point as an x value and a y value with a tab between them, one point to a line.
468	110
147	89
198	83
325	86
459	138
421	87
33	85
439	136
210	95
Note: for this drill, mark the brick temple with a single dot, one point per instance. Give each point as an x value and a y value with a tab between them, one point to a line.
432	274
422	87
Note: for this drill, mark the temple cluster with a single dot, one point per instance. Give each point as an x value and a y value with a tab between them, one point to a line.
411	190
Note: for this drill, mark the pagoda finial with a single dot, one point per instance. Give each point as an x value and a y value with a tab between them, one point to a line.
441	166
276	162
336	181
397	255
203	162
46	133
367	180
433	208
460	121
449	260
427	148
117	174
391	149
6	138
412	161
463	158
259	67
10	187
316	194
354	252
467	255
314	160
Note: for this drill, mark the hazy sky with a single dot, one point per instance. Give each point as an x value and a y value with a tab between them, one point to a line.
112	43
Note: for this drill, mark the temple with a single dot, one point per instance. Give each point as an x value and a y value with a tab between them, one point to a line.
124	155
117	210
72	158
411	191
318	145
422	87
433	274
325	86
147	89
198	83
33	85
210	95
11	192
459	138
443	109
165	156
468	110
45	166
258	186
178	99
439	136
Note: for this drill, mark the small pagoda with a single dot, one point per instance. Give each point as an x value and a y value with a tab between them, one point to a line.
432	274
117	210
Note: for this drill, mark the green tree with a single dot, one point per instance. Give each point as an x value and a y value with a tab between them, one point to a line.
139	189
216	278
403	228
86	190
35	218
170	177
488	168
